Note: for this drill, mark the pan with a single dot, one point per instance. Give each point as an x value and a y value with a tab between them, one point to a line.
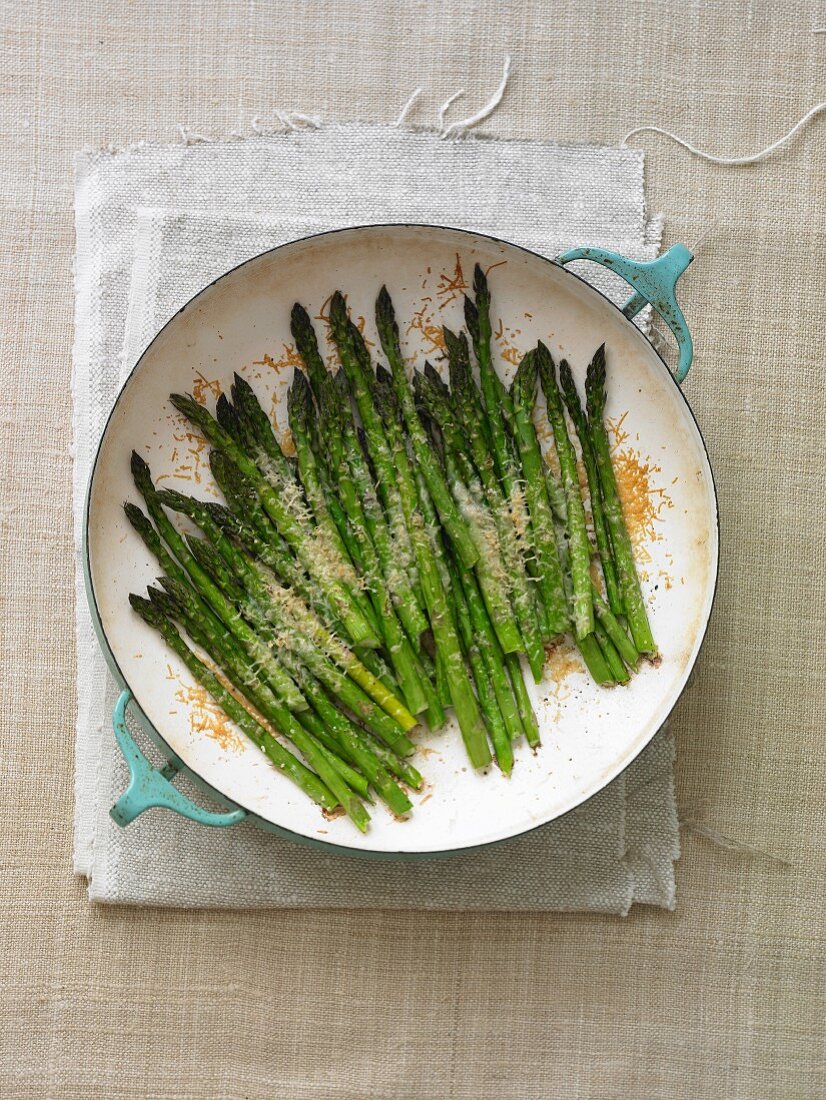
240	323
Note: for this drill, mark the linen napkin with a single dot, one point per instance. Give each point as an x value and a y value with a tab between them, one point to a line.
154	225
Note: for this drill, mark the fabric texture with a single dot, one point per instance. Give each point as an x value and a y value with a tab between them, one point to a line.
155	260
723	998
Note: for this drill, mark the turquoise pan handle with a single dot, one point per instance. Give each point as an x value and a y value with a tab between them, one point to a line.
150	786
655	284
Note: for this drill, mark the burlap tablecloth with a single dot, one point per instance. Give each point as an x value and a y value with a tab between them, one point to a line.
724	998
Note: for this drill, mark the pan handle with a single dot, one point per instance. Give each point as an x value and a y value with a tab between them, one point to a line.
150	786
654	284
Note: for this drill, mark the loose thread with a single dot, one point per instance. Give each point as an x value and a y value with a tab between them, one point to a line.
407	107
659	339
191	137
720	840
290	120
707	232
816	110
295	120
313	122
445	107
465	124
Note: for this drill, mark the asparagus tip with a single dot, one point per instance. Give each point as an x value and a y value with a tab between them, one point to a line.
185	403
146	609
136	517
218	512
480	283
384	303
338	308
299	398
569	391
595	383
432	374
162	601
450	338
547	372
222	405
524	381
175	589
241	388
471	318
140	472
301	327
299	317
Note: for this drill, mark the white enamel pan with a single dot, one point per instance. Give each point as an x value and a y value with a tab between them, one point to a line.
241	323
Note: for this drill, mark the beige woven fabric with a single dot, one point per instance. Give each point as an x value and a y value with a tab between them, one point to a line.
724	998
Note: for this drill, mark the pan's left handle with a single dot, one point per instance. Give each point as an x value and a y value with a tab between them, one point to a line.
150	786
655	284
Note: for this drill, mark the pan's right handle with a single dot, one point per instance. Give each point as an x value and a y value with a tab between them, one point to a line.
150	786
655	284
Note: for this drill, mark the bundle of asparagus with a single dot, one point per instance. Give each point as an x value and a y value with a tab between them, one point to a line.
414	547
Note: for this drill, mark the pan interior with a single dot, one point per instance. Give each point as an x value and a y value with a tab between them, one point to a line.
241	323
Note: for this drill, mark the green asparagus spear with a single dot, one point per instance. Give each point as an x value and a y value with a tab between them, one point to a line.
595	660
152	540
356	750
178	601
213	565
437	487
303	630
488	701
305	341
617	669
257	425
523	701
580	547
324	791
497	564
496	399
388	533
588	646
436	581
542	524
396	554
629	584
491	653
421	519
499	411
613	628
506	539
308	544
603	539
300	412
462	383
416	687
334	415
209	591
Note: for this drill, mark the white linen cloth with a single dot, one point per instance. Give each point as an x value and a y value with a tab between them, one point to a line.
154	225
